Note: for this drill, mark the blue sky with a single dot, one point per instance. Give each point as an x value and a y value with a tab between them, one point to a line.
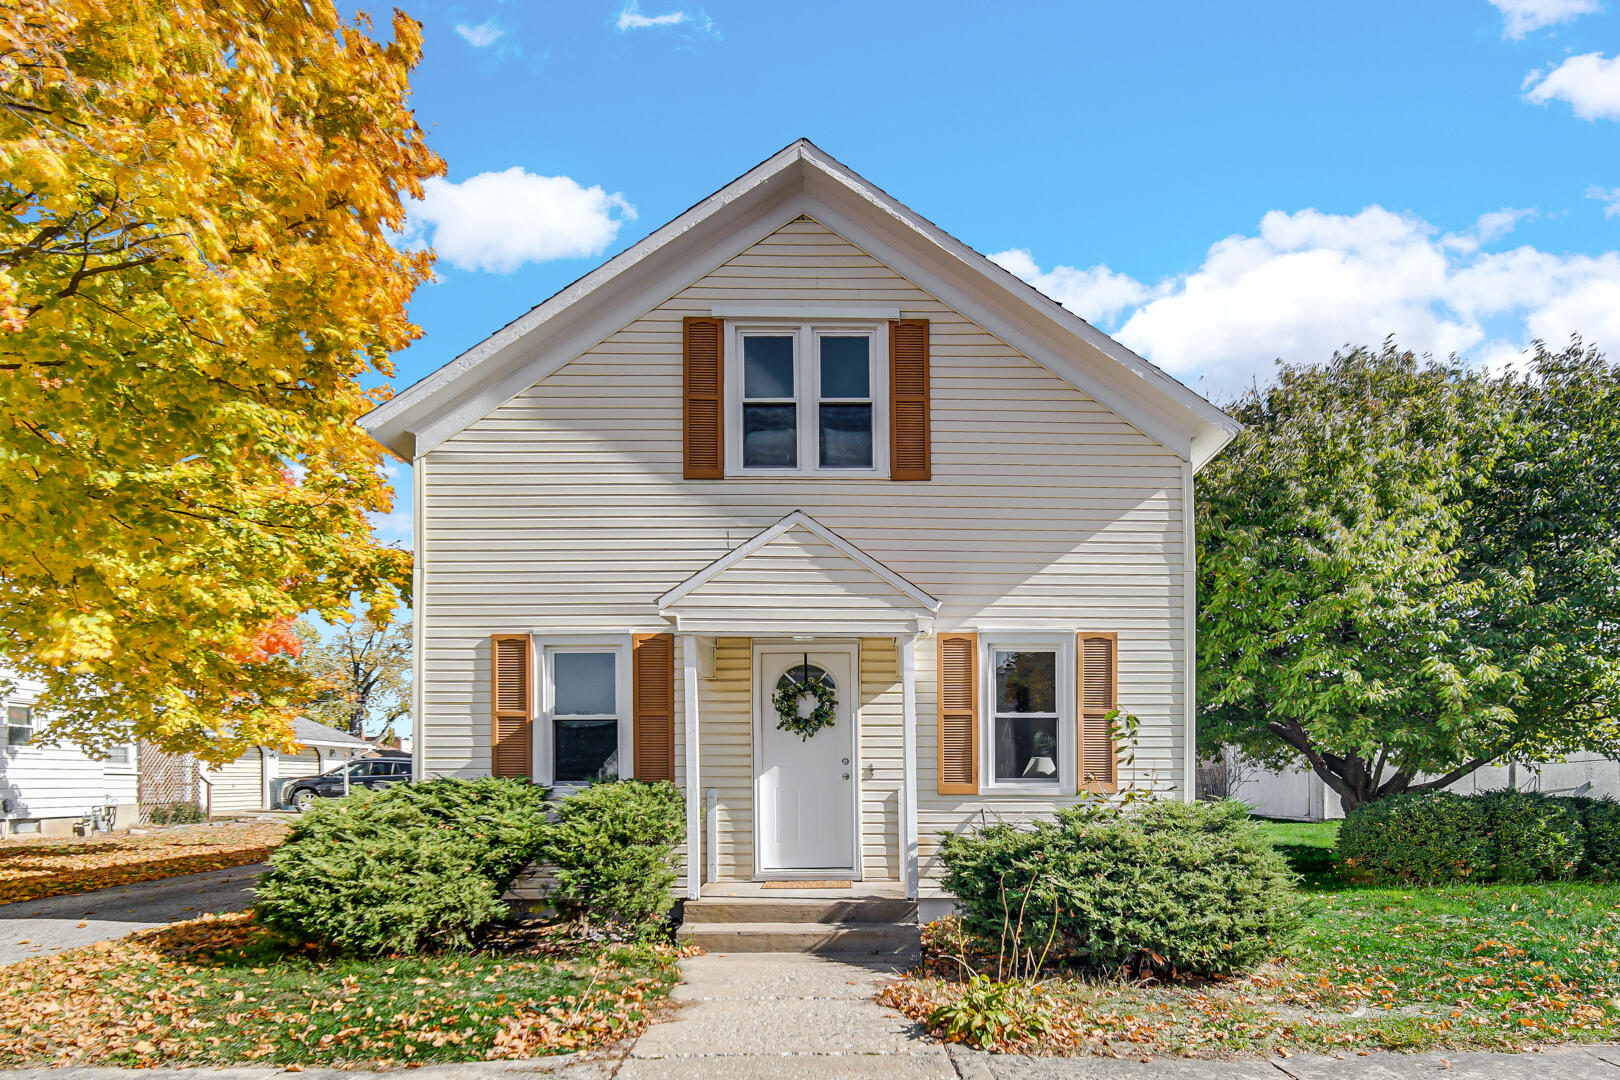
1217	185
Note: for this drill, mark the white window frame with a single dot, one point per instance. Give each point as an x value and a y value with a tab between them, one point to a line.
1063	645
32	725
807	392
547	646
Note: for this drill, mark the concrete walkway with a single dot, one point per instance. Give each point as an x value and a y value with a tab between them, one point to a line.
40	927
768	1016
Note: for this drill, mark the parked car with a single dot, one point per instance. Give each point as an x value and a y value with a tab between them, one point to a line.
366	772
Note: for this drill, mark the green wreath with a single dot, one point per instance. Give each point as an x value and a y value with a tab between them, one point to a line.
786	700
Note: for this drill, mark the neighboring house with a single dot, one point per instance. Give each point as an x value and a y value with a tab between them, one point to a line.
1298	794
47	790
254	780
802	427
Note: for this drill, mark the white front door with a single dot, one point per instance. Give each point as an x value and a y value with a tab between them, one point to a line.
805	789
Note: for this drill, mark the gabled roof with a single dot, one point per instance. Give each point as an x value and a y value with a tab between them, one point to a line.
310	733
799	179
797	576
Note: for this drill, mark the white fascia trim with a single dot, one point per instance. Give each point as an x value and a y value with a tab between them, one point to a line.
390	422
798	519
1030	297
1004	324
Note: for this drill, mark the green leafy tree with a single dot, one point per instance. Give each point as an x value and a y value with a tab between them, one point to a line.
1409	570
363	672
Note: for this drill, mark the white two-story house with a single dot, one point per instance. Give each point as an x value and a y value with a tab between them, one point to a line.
801	435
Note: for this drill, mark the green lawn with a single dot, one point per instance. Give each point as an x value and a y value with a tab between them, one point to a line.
1309	848
1478	966
220	990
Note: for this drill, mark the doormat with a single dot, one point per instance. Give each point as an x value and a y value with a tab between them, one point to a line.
807	885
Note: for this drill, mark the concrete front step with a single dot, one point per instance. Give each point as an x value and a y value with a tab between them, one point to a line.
891	939
800	909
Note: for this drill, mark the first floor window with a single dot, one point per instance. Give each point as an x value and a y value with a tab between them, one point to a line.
1026	719
585	714
19	724
118	755
1028	712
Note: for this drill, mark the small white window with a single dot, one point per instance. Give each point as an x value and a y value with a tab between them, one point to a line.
19	724
584	733
1029	743
118	755
805	399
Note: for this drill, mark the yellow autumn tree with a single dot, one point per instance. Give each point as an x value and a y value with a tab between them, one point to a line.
198	296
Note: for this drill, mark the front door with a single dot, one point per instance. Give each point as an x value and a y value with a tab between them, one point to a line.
805	788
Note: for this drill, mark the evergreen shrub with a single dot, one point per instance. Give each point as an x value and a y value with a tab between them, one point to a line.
1188	889
403	869
612	851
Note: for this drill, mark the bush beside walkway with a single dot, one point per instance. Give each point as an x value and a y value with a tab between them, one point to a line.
31	869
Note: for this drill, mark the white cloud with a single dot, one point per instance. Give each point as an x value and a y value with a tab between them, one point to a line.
631	18
1589	82
1308	283
1609	197
497	221
480	36
1520	17
1096	294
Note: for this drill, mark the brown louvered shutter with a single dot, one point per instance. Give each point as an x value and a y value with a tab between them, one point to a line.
958	714
702	405
908	400
1099	677
653	709
512	696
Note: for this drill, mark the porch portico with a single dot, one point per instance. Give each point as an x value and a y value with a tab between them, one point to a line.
763	804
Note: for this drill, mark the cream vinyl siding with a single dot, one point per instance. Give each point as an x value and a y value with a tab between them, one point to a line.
565	509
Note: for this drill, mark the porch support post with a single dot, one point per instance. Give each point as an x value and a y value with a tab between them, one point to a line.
908	772
694	787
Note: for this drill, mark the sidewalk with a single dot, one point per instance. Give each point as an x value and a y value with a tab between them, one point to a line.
787	1017
40	927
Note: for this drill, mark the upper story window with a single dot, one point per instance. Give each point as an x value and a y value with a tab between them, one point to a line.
807	399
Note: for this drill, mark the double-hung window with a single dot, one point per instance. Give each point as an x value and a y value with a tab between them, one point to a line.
1030	687
19	724
807	399
584	734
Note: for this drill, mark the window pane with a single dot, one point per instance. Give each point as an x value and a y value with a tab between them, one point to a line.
583	683
19	714
118	755
846	367
768	367
1026	682
846	436
770	437
1026	747
587	750
17	736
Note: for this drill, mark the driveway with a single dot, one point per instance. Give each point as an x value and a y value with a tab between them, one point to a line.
40	927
